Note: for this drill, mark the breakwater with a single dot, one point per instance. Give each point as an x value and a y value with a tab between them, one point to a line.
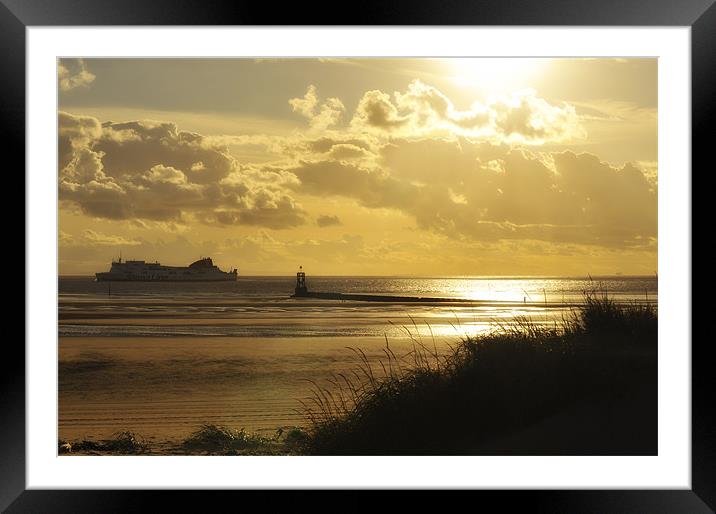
379	298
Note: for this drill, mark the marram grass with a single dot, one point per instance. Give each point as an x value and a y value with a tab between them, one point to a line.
496	384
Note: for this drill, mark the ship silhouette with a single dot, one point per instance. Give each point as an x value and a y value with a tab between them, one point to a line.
202	270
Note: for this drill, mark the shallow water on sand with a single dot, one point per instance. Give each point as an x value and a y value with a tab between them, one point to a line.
165	388
163	359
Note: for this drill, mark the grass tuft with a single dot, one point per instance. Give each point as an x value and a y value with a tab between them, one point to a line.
220	439
121	443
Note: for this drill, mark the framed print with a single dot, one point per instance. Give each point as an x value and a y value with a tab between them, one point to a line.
300	256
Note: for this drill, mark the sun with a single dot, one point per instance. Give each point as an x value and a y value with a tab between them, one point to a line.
494	75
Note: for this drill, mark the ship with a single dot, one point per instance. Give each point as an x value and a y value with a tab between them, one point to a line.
202	270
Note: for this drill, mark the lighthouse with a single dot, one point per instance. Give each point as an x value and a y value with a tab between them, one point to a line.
301	289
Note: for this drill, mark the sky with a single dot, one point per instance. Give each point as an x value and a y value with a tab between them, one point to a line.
381	166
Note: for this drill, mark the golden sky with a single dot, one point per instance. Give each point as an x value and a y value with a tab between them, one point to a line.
408	166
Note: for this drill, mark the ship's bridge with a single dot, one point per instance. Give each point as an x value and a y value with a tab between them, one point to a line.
202	263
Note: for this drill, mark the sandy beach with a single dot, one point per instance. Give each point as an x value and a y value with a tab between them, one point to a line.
165	388
162	360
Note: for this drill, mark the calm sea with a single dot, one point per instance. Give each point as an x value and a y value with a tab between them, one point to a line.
262	307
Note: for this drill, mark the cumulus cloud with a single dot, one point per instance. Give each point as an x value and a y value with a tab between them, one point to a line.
475	175
328	221
488	192
72	74
154	171
307	104
75	132
133	147
348	152
321	115
423	110
376	110
326	144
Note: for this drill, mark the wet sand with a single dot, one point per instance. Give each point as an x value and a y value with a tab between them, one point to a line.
164	388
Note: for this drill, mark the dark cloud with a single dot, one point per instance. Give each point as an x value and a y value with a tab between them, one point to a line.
132	148
456	186
75	132
373	187
328	221
376	110
490	192
154	171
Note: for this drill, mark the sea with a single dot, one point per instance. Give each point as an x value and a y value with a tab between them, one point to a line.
163	359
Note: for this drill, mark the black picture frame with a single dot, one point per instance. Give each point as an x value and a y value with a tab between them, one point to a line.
700	15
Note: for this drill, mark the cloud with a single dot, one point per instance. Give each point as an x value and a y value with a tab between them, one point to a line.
90	237
75	132
134	147
487	192
100	239
153	171
326	144
328	221
371	186
376	110
611	197
160	174
263	208
348	152
72	74
320	115
472	175
423	110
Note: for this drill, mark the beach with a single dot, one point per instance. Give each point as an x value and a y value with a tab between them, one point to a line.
161	360
165	388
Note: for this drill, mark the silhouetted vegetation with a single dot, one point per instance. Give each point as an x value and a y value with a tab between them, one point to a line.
215	438
590	381
121	443
220	440
206	440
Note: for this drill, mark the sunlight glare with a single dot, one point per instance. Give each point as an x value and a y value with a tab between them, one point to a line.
495	75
